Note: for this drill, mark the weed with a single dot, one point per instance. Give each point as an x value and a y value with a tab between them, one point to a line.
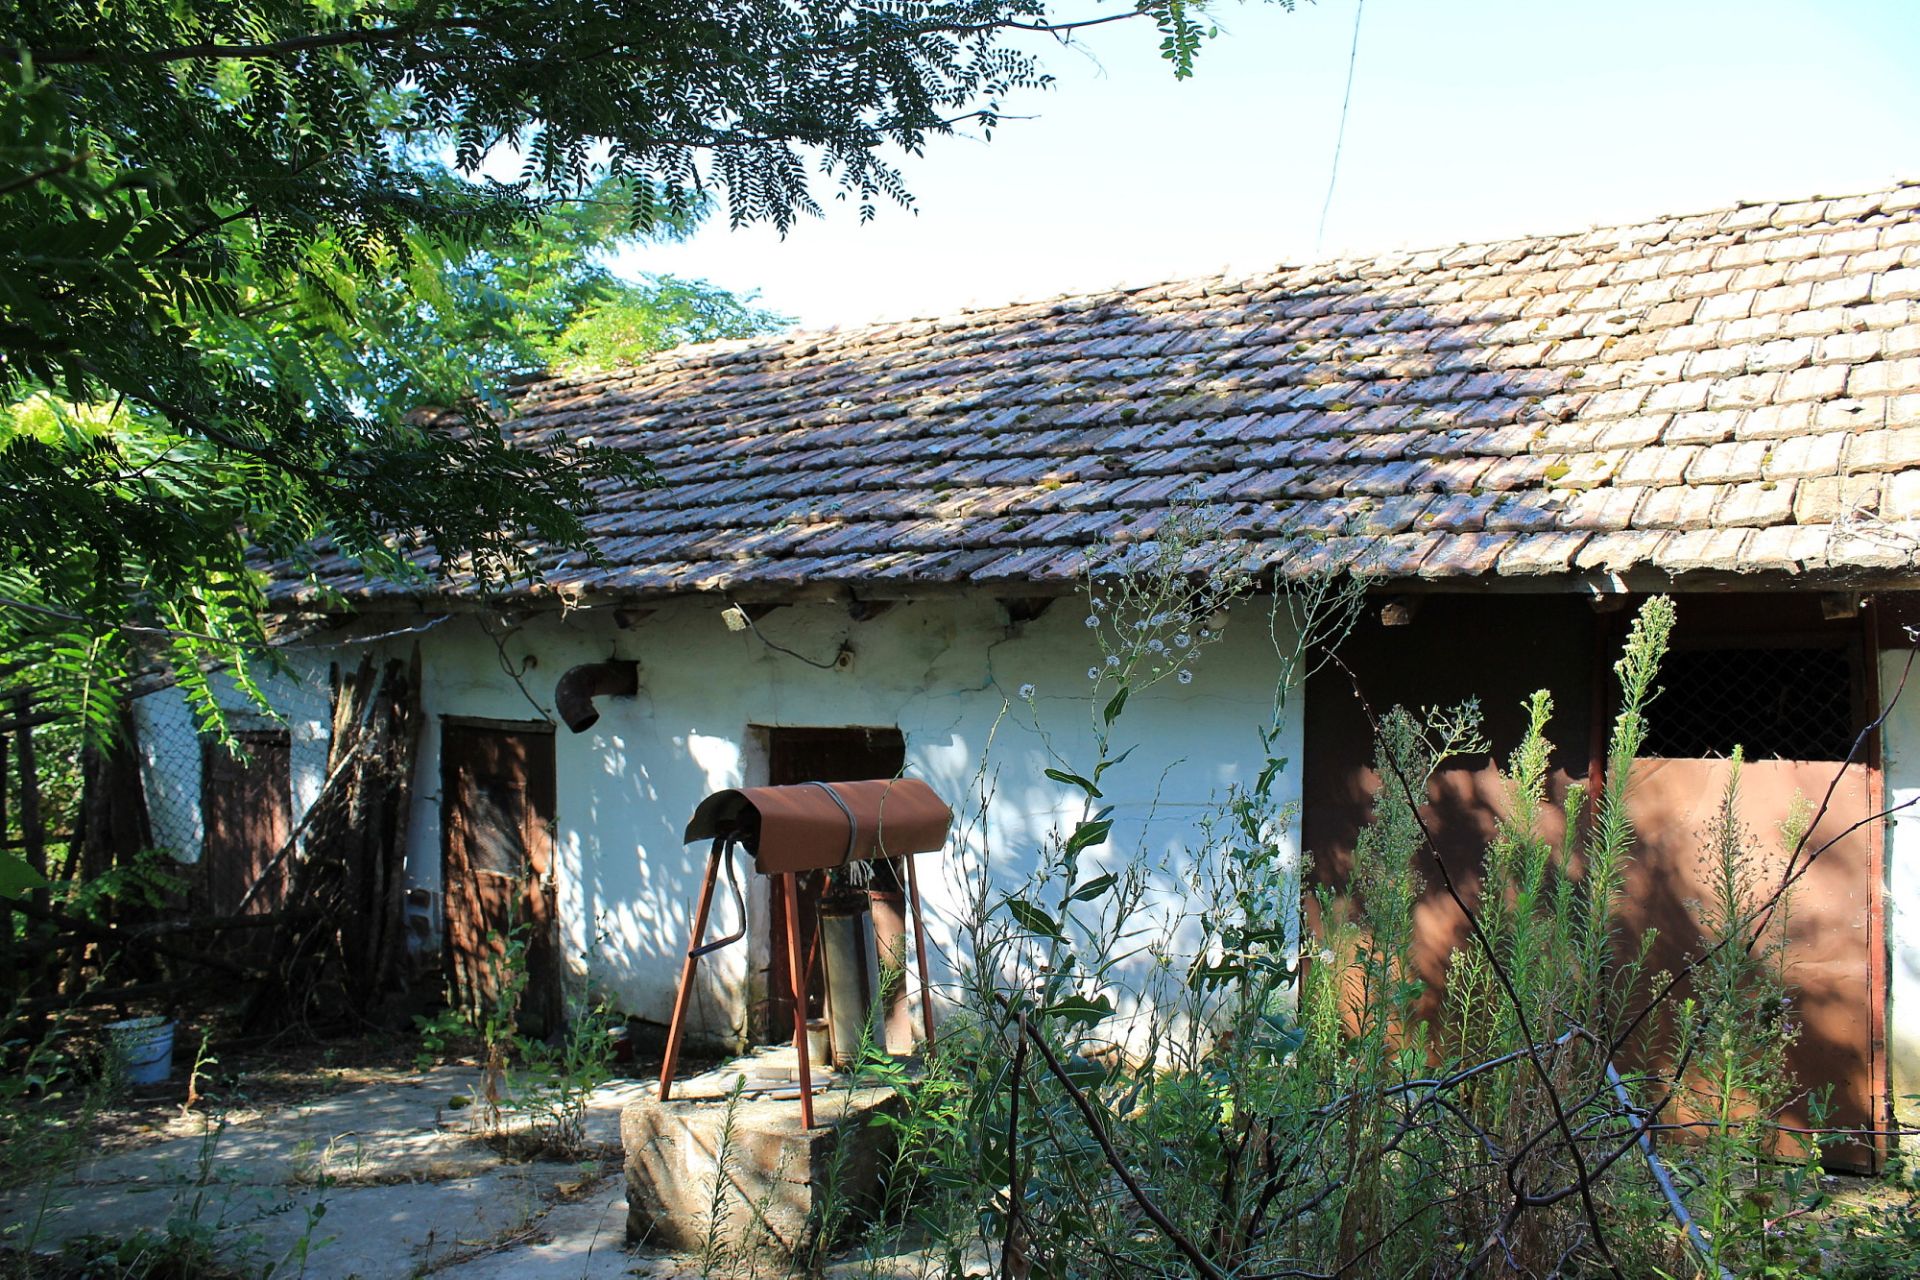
534	1092
1257	1088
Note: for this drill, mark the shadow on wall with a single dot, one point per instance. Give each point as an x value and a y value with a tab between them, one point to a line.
1319	422
1502	648
641	915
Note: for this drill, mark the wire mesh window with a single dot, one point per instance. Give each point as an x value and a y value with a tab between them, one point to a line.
1775	704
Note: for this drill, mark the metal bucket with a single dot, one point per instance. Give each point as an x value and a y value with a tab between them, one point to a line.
144	1047
846	947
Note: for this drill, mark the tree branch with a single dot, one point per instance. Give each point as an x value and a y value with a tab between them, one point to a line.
1178	1238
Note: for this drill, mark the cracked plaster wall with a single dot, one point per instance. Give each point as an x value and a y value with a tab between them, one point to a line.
946	673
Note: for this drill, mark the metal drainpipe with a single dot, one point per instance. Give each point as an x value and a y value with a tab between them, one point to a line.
574	692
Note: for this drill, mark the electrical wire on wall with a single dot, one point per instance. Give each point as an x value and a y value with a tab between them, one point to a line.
738	619
513	673
318	636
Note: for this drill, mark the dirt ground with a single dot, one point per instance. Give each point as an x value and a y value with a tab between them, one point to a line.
352	1160
326	1160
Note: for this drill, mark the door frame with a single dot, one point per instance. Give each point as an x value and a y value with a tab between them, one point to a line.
533	731
764	1023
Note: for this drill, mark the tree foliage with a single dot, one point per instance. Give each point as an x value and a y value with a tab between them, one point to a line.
240	238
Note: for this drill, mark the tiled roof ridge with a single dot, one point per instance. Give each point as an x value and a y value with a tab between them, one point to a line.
1783	218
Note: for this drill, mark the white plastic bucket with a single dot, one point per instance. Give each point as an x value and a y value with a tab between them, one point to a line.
144	1047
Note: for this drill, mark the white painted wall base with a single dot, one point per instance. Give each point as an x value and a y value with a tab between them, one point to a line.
946	673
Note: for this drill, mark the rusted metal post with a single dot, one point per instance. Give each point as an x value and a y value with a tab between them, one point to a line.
1880	1083
797	975
920	945
676	1024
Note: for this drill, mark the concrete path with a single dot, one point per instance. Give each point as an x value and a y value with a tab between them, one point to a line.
386	1182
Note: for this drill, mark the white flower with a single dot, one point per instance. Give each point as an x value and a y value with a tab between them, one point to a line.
1326	955
1186	677
1093	673
1182	640
1026	693
1092	621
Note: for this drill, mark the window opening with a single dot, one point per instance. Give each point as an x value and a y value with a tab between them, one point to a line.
1774	703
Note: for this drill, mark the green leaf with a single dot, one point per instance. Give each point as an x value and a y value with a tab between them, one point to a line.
1282	1034
1093	888
1033	919
1205	977
1074	780
1079	1009
1120	759
1088	833
16	876
1115	706
1268	774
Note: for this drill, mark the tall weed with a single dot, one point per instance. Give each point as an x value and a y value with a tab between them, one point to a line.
1245	1091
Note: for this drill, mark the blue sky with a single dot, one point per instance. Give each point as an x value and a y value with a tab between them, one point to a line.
1471	119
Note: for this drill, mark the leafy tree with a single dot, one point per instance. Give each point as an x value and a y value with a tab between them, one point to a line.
536	295
225	226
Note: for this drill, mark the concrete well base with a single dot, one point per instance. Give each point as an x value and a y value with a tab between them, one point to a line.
707	1169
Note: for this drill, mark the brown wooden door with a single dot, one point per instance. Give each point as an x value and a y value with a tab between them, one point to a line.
246	807
1831	916
497	808
1768	673
816	755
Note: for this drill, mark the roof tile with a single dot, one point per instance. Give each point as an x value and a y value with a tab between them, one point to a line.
1715	391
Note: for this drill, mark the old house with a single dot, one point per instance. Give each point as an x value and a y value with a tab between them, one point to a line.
866	542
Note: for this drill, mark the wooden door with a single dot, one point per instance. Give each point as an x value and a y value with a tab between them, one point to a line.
1770	674
497	808
246	807
1830	917
816	755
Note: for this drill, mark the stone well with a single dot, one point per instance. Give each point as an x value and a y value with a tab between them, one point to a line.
746	1161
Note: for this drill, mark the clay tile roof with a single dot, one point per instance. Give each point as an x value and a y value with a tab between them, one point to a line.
1734	392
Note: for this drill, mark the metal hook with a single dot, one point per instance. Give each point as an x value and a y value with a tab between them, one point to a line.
739	899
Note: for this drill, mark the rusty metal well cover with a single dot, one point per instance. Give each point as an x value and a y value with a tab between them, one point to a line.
805	827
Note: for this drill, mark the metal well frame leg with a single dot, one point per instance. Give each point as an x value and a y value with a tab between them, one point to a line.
676	1025
920	945
797	973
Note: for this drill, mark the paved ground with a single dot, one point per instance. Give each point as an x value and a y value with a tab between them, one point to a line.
380	1183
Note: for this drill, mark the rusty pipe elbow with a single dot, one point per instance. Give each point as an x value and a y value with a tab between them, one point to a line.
574	692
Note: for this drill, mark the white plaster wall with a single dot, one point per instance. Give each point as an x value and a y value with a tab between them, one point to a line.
1900	744
946	673
169	743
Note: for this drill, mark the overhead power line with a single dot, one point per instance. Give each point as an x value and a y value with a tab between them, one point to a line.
1340	135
